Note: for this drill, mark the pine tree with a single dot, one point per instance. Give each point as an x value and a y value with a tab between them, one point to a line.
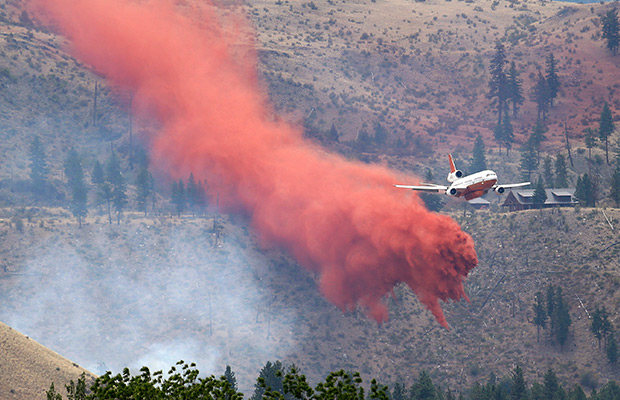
38	167
518	388
432	202
380	135
478	161
561	176
270	376
540	95
611	30
611	350
561	320
589	138
606	128
230	377
515	89
540	195
548	172
596	325
115	178
104	189
538	136
399	392
498	134
528	160
333	134
614	193
423	388
143	188
192	193
584	191
553	82
179	198
540	314
508	135
77	186
551	386
499	83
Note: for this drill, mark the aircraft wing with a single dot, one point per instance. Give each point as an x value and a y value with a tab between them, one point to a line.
511	185
425	187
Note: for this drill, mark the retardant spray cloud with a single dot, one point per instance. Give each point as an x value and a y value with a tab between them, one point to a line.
195	72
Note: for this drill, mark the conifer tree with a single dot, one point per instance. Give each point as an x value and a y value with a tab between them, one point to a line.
143	188
115	178
380	135
508	135
611	30
77	186
540	314
179	198
230	377
548	172
478	161
540	195
540	96
596	325
192	193
551	386
589	138
561	320
606	128
499	83
561	176
423	388
432	201
585	191
104	189
553	82
518	388
614	193
611	349
38	167
538	136
515	89
333	134
528	160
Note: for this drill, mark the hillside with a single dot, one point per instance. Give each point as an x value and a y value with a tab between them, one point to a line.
155	290
28	368
420	69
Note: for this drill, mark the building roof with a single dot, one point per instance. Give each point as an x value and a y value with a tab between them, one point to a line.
479	201
562	196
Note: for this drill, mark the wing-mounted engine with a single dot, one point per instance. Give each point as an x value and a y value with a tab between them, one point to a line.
499	190
452	191
453	176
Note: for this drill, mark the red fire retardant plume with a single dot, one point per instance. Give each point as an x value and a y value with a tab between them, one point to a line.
194	71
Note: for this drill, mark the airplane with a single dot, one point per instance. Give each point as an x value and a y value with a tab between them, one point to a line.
468	187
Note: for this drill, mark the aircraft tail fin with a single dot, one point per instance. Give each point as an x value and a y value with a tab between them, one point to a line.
452	167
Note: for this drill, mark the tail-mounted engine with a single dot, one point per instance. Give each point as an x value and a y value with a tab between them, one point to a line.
452	176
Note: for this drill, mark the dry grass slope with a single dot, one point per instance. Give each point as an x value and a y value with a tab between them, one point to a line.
28	368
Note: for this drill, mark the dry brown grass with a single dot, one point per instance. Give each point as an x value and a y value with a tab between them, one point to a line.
29	368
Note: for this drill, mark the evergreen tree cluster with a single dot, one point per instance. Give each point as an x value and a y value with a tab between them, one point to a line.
109	185
275	382
554	309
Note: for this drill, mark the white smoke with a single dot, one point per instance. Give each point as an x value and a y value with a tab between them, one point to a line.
109	297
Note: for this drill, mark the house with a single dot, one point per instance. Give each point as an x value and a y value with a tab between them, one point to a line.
479	203
523	199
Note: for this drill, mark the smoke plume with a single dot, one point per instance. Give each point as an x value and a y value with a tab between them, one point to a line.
193	68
